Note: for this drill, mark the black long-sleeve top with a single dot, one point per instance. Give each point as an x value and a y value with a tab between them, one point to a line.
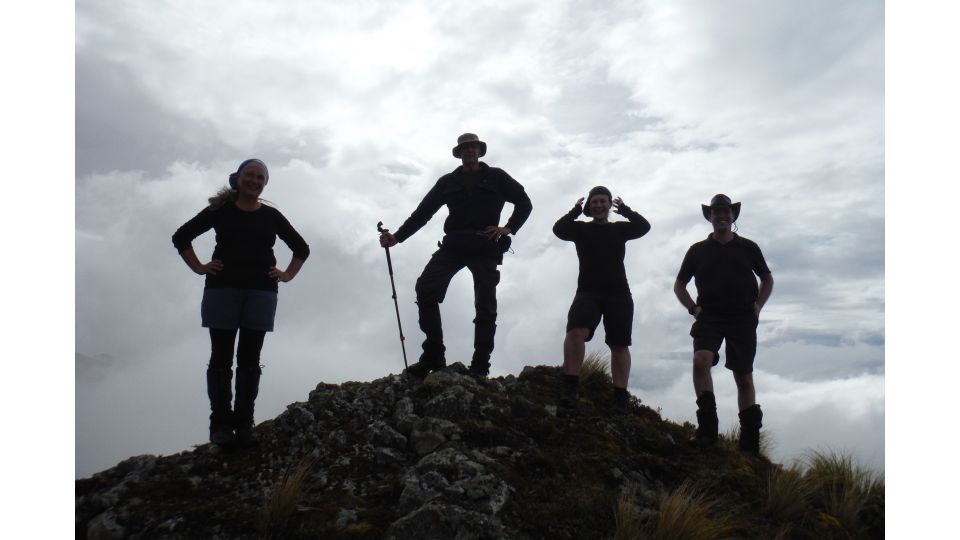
244	244
474	199
601	248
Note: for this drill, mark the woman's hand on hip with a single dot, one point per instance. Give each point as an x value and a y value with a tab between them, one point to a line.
279	274
211	268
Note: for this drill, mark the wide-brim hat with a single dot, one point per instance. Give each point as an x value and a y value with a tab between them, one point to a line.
599	190
469	138
719	201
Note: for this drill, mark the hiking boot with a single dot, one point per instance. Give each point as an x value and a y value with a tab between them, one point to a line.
569	390
248	386
621	401
707	422
423	368
245	434
750	424
480	371
480	365
221	414
222	435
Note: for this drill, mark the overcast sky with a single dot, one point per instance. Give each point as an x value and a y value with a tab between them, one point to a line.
355	108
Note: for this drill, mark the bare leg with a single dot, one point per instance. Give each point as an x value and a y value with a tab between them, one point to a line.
702	362
746	393
573	350
620	365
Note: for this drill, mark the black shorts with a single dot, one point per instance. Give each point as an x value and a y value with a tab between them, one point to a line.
615	309
741	341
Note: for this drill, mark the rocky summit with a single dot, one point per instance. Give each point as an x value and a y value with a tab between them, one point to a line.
450	457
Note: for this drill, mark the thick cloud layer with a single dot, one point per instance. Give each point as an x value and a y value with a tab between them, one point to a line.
355	109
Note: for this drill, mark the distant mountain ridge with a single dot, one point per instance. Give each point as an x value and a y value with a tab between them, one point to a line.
459	457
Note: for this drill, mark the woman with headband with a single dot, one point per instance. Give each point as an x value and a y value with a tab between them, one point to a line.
240	295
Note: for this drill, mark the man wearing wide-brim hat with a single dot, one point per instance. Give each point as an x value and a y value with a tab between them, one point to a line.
474	194
725	268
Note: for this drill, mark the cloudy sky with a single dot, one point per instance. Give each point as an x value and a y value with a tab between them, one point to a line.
355	107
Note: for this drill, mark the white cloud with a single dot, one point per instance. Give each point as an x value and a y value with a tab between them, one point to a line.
355	108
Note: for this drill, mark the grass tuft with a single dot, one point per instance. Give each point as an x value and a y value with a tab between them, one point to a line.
688	514
628	523
788	495
842	488
276	517
595	365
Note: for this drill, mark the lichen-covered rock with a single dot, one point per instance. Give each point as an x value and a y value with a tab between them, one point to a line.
437	521
429	433
452	403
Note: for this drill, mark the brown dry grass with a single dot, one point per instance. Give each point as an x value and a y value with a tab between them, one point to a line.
841	487
685	514
788	495
276	517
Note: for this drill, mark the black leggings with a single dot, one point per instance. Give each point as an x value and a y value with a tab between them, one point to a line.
248	348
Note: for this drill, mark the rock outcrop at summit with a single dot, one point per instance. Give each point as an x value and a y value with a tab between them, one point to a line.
452	456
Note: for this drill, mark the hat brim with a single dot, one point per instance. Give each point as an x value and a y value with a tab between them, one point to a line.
735	208
457	148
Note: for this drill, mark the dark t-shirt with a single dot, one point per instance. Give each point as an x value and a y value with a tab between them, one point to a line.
724	275
600	249
244	244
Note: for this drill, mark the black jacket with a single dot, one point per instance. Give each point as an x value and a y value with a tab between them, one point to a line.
475	201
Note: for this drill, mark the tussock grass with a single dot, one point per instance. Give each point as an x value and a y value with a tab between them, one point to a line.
596	382
276	516
841	487
595	365
788	495
629	525
688	514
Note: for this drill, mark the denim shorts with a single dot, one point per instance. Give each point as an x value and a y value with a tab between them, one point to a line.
231	308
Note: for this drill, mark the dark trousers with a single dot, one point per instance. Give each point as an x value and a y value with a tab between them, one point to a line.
432	288
220	374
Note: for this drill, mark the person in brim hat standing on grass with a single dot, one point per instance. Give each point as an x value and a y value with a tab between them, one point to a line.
602	290
727	310
474	194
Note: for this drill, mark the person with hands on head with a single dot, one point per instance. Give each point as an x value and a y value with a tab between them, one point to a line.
727	309
474	194
240	293
602	289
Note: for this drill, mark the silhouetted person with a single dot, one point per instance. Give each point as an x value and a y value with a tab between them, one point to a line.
727	310
602	289
240	292
474	193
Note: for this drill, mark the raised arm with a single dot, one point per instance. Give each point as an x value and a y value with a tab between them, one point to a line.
564	228
638	225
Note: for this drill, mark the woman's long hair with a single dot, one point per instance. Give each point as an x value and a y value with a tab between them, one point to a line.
225	194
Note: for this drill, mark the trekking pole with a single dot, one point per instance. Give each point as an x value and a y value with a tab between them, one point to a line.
394	289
